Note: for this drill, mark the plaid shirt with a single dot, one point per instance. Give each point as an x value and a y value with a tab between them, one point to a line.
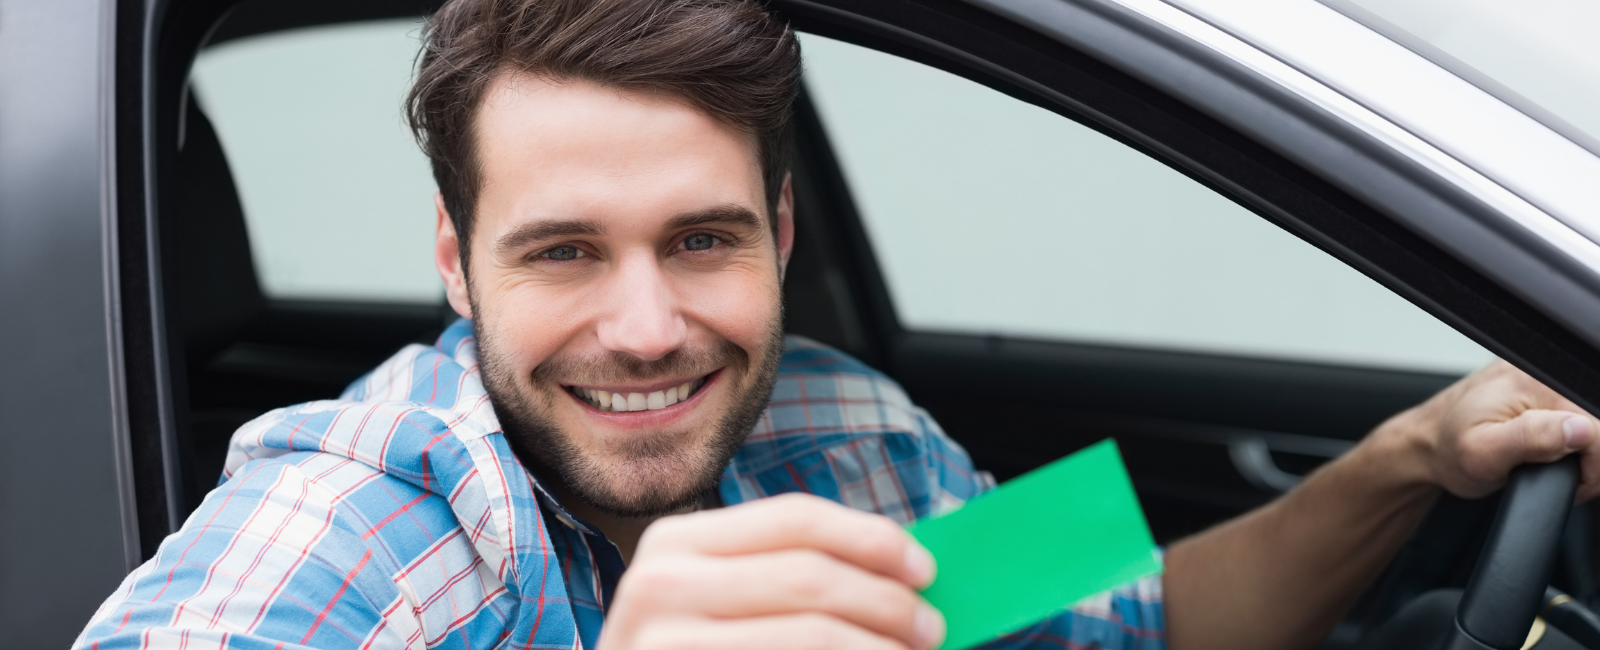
397	517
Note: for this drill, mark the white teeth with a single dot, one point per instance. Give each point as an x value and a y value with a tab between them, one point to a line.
622	403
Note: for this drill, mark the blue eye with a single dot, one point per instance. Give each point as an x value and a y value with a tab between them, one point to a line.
699	242
562	253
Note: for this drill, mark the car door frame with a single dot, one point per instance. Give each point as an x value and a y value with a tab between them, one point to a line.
1096	61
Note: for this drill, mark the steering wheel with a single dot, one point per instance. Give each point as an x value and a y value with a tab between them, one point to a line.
1507	587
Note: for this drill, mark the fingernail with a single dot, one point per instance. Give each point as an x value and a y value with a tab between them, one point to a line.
1578	431
919	565
928	626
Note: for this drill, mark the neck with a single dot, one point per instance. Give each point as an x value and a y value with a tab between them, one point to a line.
624	532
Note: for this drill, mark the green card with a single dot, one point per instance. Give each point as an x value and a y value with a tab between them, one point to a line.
1035	545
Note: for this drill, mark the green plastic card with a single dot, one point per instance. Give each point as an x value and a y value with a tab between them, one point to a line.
1036	545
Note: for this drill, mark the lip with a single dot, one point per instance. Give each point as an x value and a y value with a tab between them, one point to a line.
641	419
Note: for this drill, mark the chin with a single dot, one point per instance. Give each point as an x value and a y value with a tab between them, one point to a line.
648	486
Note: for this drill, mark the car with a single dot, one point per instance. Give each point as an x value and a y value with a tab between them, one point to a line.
1232	236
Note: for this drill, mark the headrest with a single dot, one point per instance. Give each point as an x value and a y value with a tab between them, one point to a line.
207	239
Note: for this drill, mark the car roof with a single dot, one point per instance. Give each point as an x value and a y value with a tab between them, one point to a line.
1526	168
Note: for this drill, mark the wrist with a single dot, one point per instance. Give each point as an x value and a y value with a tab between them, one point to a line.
1402	449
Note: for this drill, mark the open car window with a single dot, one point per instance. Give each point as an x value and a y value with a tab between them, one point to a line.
336	195
989	215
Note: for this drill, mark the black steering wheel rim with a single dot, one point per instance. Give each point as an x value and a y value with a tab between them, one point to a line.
1506	590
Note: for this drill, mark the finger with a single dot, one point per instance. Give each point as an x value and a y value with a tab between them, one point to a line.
1589	484
1583	428
1579	426
796	521
1489	451
792	632
785	582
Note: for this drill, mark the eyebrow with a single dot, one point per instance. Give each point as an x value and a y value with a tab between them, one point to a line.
526	233
732	215
521	236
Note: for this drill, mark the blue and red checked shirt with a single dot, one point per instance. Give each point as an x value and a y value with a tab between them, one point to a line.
397	517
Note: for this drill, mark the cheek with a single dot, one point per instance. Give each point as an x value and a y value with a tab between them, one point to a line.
532	321
737	305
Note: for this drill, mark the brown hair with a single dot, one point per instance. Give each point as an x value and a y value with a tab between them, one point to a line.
729	58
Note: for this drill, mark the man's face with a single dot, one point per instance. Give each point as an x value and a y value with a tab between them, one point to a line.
625	287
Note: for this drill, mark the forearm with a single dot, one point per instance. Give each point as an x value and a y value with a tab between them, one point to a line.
1283	575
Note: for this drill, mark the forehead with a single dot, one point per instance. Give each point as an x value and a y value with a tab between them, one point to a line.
573	148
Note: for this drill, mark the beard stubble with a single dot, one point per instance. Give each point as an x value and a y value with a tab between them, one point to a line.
654	473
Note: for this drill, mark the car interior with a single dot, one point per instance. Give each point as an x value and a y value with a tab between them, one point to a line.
1208	430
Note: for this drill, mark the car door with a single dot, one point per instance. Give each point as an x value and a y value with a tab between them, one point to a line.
1041	295
1048	286
1216	410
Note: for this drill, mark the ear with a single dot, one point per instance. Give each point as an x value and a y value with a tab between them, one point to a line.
447	258
785	218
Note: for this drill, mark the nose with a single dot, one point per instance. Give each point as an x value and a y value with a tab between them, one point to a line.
642	316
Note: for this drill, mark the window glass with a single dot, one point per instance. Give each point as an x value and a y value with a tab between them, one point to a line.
991	215
337	196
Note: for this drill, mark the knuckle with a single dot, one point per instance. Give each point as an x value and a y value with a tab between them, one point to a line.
797	497
821	632
895	607
824	584
809	510
654	583
808	575
805	517
795	503
883	540
1541	434
789	512
787	526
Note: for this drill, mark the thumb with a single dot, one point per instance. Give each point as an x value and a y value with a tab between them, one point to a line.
1541	436
1489	451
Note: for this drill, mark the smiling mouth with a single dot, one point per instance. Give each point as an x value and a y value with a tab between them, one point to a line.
612	402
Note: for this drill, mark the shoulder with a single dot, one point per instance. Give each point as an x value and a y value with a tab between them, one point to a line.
407	440
444	376
840	429
328	504
285	537
802	356
824	397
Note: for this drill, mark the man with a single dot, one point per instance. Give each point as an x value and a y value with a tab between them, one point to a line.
614	221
